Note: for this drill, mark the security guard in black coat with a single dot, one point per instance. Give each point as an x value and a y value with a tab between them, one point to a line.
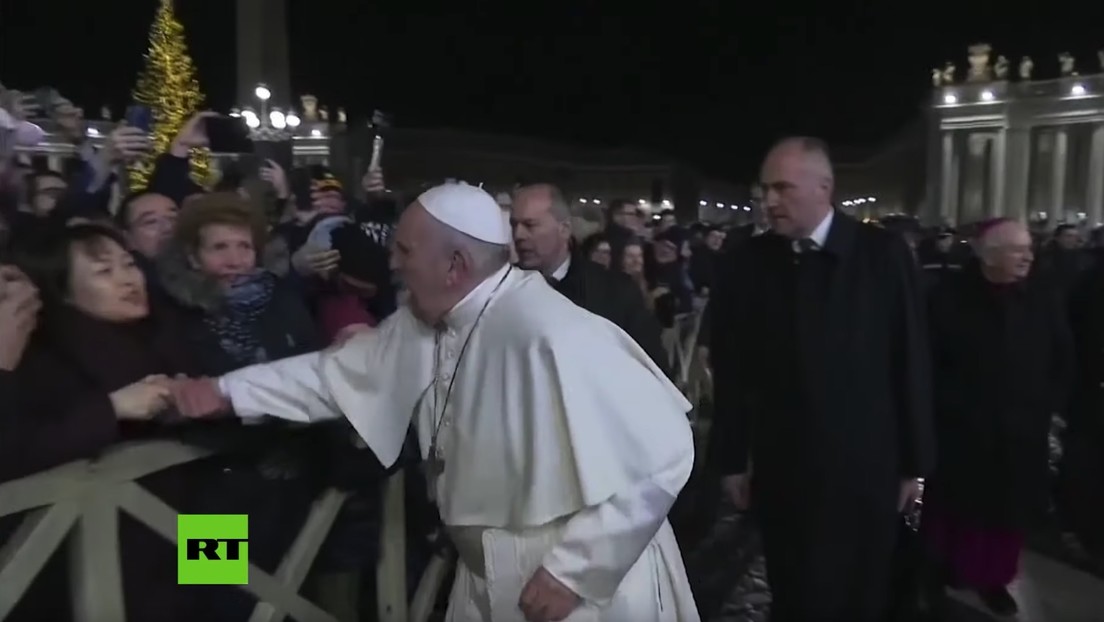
541	222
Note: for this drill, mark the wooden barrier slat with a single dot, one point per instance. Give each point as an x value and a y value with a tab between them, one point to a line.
95	568
157	515
300	557
391	575
89	494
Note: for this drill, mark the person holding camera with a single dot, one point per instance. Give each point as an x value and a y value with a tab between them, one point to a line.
19	305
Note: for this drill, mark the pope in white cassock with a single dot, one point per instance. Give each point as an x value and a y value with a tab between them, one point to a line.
554	447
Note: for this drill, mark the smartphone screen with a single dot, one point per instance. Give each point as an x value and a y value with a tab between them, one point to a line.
277	151
228	135
139	116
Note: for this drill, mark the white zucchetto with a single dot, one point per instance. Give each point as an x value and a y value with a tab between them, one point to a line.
469	210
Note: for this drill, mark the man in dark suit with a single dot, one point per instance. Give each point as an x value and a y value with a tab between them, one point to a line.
541	222
738	235
827	400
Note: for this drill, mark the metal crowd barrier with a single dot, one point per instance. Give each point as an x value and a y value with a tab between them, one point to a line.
692	374
85	497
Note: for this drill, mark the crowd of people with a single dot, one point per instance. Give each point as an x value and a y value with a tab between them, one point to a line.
851	362
110	299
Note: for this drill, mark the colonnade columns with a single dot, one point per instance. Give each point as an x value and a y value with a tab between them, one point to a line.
948	179
1017	173
1095	192
1057	209
997	163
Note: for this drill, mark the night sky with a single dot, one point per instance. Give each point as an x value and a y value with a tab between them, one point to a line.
709	82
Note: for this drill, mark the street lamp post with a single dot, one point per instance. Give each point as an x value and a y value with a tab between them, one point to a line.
271	125
272	130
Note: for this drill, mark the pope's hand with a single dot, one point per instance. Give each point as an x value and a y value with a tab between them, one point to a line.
199	398
545	599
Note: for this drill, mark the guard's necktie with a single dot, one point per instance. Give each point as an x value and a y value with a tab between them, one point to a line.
803	246
807	245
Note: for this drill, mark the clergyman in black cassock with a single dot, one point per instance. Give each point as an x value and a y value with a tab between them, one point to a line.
823	393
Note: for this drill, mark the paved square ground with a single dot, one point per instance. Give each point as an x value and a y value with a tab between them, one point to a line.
1047	591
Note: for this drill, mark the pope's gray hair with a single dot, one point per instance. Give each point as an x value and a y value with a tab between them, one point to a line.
486	257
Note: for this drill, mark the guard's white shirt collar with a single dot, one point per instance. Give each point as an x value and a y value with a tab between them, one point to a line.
561	272
819	235
464	312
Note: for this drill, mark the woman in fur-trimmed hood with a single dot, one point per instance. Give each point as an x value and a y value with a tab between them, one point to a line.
235	313
238	313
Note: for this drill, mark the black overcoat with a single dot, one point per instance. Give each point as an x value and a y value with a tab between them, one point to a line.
822	378
1002	364
1082	470
612	295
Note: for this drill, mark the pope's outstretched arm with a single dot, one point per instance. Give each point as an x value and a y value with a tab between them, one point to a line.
374	380
291	389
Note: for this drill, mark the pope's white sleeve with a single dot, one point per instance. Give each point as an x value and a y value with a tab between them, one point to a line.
291	388
602	542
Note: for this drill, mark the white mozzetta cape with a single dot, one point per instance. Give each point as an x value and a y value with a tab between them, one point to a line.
554	409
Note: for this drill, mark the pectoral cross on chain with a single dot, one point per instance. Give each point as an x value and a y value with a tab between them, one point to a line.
435	463
435	460
434	468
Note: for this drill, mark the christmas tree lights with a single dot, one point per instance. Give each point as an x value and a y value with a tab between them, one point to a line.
168	85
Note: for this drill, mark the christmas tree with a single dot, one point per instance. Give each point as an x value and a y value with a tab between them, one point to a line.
168	85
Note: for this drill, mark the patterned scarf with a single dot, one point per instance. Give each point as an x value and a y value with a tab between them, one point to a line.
235	323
